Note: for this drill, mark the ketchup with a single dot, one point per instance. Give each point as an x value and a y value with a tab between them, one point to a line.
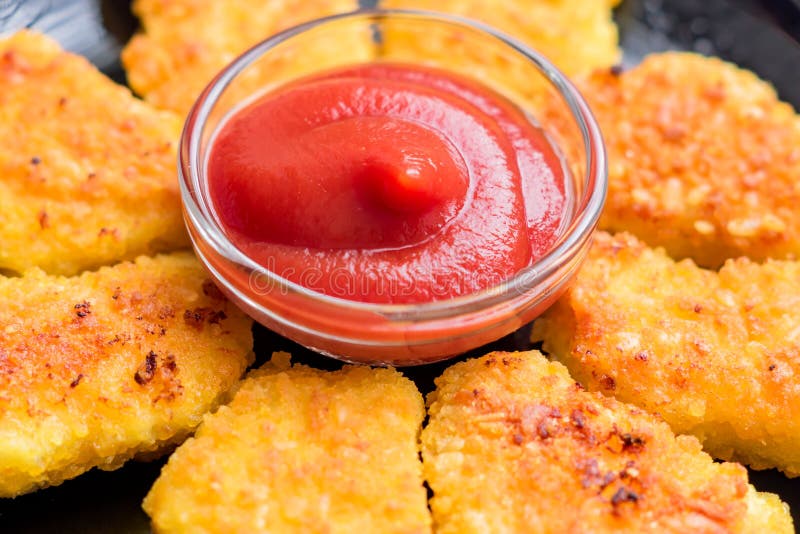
387	183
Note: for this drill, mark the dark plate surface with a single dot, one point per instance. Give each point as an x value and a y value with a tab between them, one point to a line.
762	36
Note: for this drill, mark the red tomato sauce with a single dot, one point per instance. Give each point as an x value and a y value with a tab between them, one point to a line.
387	183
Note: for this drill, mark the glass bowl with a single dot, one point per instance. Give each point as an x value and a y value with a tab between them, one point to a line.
397	334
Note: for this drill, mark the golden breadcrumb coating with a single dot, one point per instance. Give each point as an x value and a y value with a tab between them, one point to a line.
87	172
99	368
301	450
704	159
185	43
515	445
576	35
716	354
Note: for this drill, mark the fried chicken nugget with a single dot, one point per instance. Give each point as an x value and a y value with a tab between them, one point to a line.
99	368
716	354
185	43
301	450
515	445
87	172
704	160
577	35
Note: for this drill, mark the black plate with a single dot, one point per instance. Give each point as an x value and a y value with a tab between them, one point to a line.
761	36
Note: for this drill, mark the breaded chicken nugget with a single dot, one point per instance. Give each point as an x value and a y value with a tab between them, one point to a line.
185	43
577	35
87	172
301	450
515	445
716	354
99	368
704	159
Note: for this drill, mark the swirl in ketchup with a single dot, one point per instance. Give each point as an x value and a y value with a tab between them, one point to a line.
387	183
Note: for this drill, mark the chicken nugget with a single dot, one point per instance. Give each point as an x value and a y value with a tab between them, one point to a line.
87	172
577	35
515	445
716	354
97	369
704	160
185	43
301	450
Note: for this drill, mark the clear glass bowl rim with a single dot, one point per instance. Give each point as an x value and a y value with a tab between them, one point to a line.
587	211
